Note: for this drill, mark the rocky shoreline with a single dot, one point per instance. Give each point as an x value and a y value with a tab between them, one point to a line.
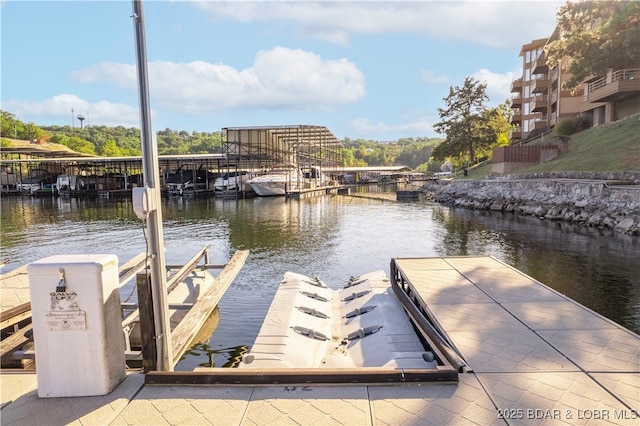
603	200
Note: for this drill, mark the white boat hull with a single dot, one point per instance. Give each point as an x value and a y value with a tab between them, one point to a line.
268	188
233	183
277	181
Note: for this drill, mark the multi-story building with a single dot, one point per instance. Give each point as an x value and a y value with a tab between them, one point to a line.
523	100
539	102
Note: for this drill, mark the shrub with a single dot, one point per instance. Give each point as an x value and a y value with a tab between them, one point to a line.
572	125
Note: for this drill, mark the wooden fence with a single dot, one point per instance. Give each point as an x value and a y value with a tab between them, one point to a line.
534	154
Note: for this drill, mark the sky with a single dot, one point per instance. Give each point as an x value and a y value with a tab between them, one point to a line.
374	70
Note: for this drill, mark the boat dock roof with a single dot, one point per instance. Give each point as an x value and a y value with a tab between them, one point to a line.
534	356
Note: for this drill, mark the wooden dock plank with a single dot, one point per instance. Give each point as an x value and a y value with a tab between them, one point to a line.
173	282
183	334
15	341
15	315
129	269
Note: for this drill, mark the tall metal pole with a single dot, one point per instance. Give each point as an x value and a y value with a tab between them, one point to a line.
154	218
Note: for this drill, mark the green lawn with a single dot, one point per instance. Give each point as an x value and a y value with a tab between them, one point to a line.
615	146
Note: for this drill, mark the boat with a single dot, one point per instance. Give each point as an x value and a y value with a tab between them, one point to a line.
37	181
67	184
8	179
280	179
234	181
187	180
314	177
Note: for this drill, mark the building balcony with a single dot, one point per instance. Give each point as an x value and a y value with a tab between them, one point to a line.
619	85
540	124
516	85
540	65
515	135
516	102
540	104
516	118
540	85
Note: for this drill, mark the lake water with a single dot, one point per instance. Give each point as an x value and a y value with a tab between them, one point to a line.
332	237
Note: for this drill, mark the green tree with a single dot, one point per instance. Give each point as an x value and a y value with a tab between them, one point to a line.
110	149
80	145
33	132
596	37
8	125
462	121
415	154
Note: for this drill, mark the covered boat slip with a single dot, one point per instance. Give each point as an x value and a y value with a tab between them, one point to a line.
259	148
263	146
244	149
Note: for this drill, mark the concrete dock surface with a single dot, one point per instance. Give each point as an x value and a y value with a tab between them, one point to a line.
532	399
535	357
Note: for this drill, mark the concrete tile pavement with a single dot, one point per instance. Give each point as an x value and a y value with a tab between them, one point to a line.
22	406
465	403
529	398
133	403
14	289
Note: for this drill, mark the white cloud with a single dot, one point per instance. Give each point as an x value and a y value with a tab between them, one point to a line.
492	23
413	123
498	85
433	78
279	78
58	109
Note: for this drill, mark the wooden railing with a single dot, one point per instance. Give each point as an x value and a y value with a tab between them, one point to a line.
619	75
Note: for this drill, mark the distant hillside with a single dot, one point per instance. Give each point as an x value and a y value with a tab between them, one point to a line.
19	143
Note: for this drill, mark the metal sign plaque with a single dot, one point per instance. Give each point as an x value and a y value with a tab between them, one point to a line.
66	320
64	301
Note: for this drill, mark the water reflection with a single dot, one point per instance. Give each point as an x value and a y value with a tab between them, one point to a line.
225	358
333	237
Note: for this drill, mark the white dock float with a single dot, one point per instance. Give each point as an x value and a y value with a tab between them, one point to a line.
361	325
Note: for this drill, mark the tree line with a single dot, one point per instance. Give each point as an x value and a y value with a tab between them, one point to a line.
107	141
418	153
122	141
